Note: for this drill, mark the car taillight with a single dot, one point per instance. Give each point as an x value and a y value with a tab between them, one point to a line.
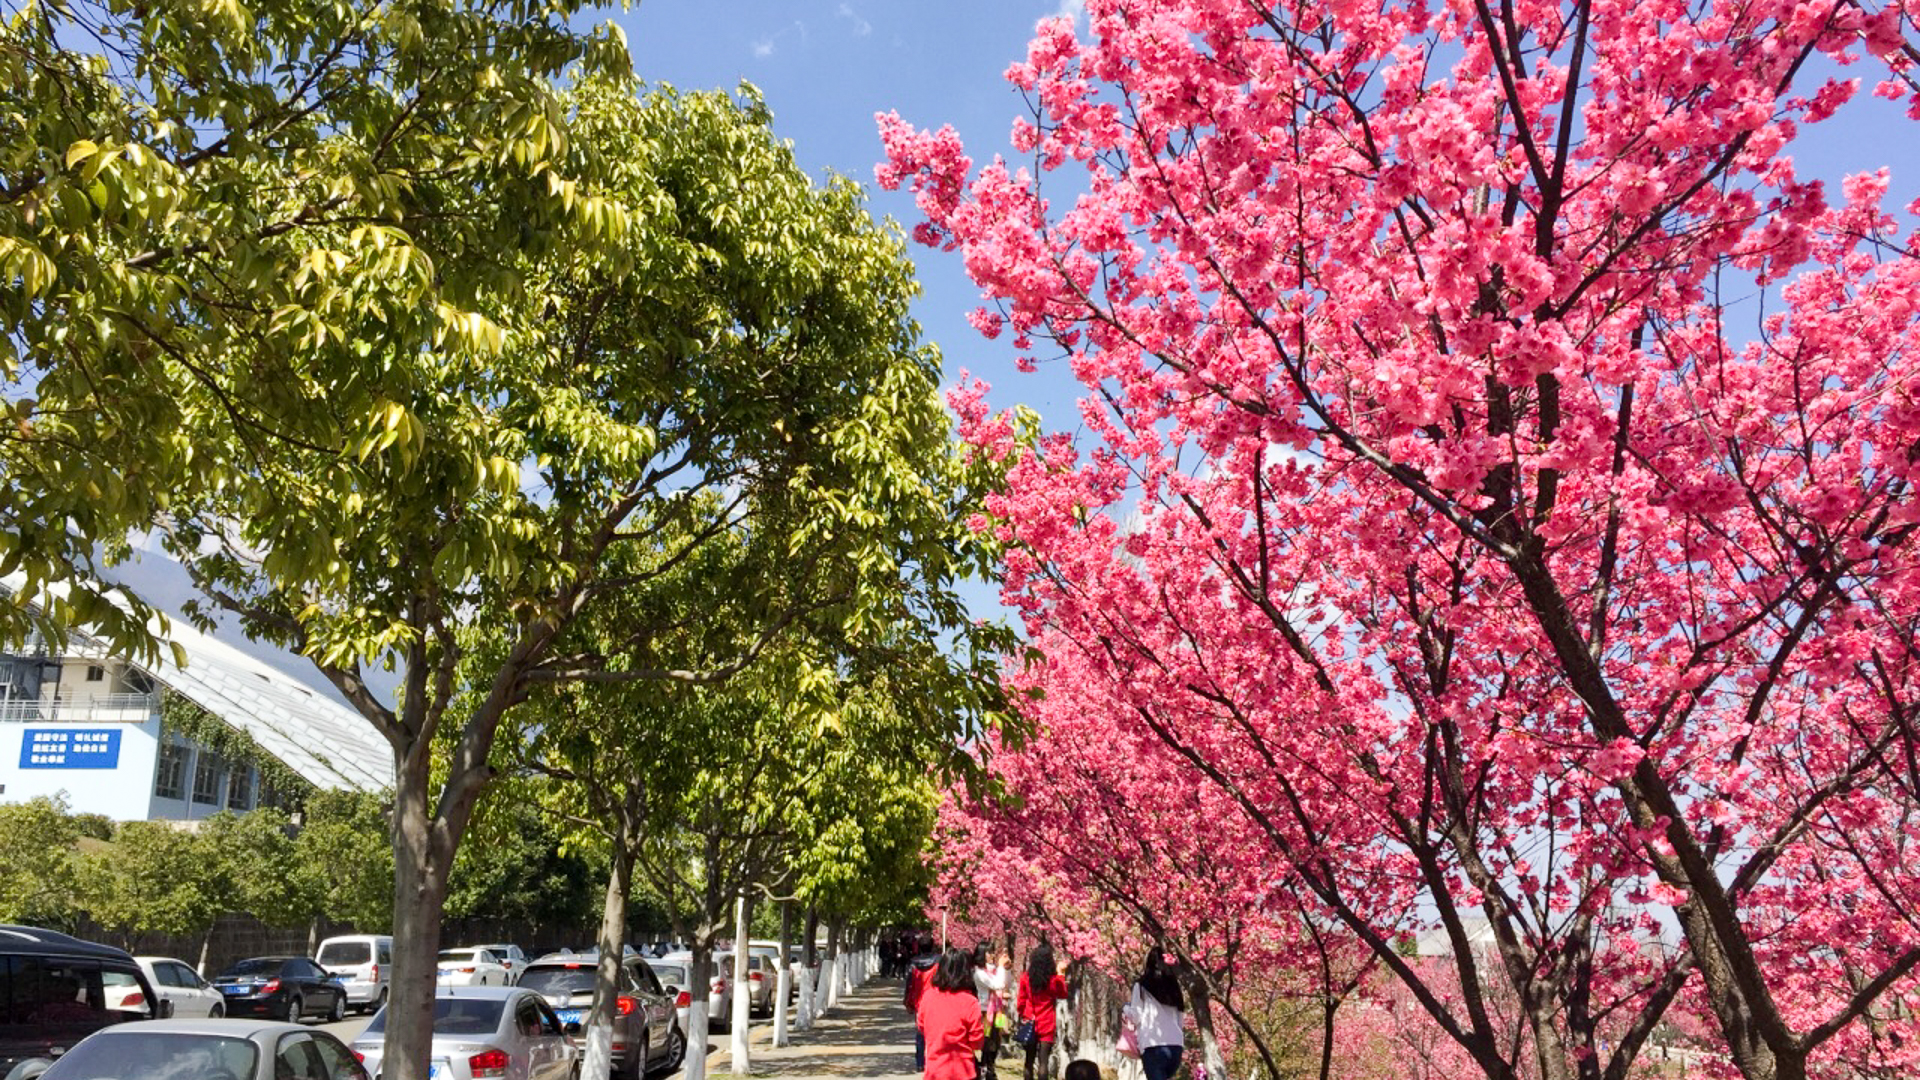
464	971
491	1063
624	1005
373	973
685	1000
271	986
133	1000
755	977
358	1056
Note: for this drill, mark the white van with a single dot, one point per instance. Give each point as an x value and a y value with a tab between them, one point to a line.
363	963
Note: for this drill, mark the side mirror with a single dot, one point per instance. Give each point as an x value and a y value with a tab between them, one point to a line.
166	1009
573	1027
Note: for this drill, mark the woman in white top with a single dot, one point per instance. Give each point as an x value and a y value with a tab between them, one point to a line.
1154	1013
990	983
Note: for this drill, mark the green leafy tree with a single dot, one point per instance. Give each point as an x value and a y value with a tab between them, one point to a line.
343	860
380	322
152	878
37	839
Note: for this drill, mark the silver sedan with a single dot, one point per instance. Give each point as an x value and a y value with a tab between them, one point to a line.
485	1033
207	1050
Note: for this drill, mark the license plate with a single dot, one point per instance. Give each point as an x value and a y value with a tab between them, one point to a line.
234	989
439	1070
571	1016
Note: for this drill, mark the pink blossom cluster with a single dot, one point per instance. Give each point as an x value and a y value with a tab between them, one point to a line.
1451	551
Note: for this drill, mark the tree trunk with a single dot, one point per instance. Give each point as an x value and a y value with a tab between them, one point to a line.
702	979
422	856
784	984
1200	1002
741	1024
606	976
313	936
810	954
827	994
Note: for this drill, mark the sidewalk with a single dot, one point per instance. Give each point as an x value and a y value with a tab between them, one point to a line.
869	1034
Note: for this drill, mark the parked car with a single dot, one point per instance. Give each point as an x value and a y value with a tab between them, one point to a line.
762	976
719	986
208	1050
182	991
646	1032
56	990
471	967
364	963
282	987
674	980
506	1032
511	957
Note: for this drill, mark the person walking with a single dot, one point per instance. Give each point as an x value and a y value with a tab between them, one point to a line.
990	986
948	1018
1040	988
919	977
1154	1011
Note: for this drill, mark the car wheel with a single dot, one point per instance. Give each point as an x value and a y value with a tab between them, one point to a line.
295	1009
219	1010
339	1010
676	1047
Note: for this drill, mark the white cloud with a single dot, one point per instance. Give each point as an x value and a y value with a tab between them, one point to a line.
861	27
1072	9
763	48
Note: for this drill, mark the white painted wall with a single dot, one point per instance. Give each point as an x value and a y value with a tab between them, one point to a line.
124	792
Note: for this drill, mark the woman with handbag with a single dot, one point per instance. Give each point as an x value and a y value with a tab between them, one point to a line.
948	1016
1040	987
1153	1015
990	985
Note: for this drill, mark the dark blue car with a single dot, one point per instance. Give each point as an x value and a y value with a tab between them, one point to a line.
281	987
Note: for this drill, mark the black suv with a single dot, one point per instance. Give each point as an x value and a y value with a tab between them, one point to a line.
56	990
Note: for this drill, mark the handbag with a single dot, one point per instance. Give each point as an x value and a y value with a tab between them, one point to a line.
1024	1034
1129	1045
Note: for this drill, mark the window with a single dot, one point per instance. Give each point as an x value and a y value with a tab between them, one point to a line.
383	950
206	779
96	673
240	789
337	1062
170	776
527	1018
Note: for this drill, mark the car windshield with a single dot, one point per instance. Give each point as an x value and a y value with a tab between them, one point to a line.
455	1016
128	1054
264	966
345	953
458	954
558	981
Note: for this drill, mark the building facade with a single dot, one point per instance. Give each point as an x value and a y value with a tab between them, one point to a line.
88	727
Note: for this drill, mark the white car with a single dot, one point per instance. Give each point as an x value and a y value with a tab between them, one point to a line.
506	1033
471	967
719	984
511	956
186	994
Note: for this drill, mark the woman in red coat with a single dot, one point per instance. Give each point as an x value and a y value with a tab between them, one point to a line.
949	1017
1040	987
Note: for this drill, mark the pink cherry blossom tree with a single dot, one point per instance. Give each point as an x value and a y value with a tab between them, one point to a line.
1496	485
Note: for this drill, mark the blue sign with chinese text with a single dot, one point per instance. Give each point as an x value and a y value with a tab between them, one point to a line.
65	748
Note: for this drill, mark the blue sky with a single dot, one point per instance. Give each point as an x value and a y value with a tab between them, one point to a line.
825	67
